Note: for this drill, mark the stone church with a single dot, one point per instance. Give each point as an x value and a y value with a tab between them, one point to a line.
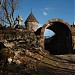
62	42
31	23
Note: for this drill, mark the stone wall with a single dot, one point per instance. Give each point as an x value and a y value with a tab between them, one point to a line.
31	26
19	41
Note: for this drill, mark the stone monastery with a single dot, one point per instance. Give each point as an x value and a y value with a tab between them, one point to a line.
64	39
63	42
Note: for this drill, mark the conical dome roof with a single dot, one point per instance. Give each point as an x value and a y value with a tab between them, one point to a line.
31	18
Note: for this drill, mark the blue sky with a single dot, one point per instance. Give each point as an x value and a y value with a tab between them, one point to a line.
45	10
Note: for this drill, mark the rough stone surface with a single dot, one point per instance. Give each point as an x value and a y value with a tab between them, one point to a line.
26	53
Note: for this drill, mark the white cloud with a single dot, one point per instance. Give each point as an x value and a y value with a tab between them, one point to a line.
44	13
46	8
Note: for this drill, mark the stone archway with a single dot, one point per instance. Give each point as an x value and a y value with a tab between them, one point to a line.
61	43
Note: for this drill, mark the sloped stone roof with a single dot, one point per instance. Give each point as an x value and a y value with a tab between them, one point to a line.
31	18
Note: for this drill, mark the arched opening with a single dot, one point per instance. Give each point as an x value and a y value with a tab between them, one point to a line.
48	33
61	42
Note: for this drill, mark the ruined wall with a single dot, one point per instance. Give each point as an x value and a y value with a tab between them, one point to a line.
63	33
63	41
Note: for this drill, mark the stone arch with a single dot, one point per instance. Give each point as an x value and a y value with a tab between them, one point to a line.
62	30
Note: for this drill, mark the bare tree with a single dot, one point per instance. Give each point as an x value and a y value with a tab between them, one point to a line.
7	7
